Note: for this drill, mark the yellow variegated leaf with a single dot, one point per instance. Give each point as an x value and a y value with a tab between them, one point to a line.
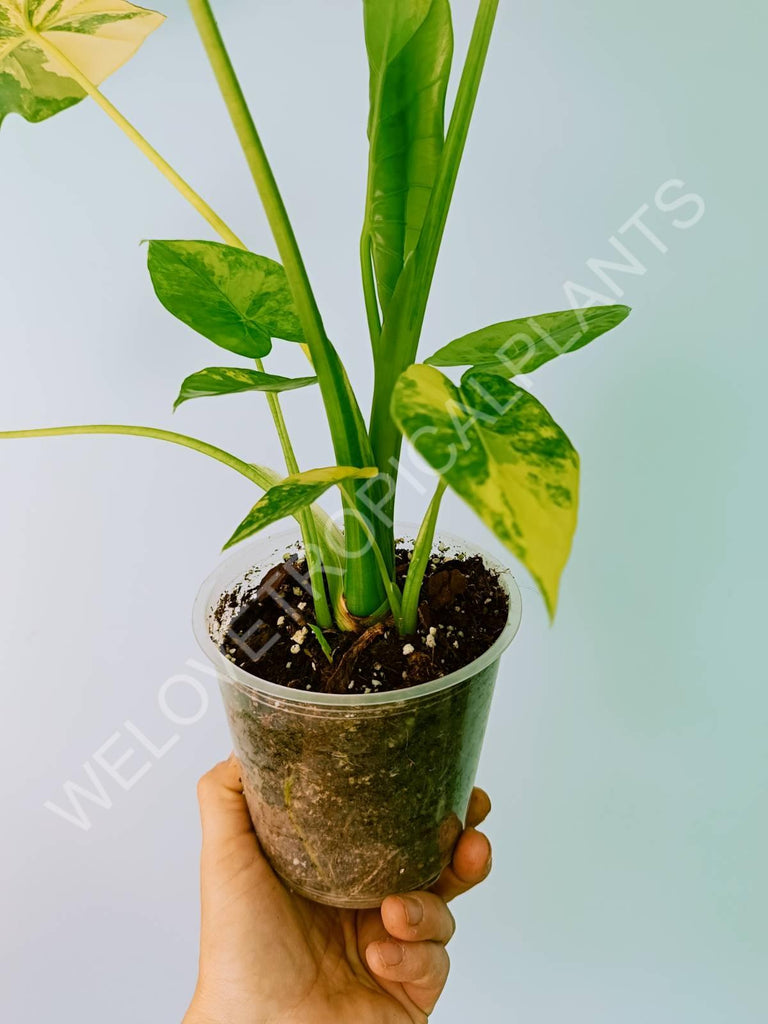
294	493
39	37
499	449
231	380
522	346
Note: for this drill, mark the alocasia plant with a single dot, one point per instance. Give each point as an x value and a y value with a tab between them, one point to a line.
487	438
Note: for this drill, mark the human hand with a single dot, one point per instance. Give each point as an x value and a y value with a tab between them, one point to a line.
268	956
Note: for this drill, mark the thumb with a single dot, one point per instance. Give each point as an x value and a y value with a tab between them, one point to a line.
223	810
236	883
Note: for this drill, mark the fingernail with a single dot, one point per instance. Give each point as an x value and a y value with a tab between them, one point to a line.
391	953
414	911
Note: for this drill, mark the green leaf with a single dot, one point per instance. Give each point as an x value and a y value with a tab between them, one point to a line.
322	640
233	297
502	452
292	494
422	549
229	380
98	36
402	326
520	346
410	45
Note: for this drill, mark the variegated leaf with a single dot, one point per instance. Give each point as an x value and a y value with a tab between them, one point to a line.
97	36
235	298
230	380
294	493
502	452
521	346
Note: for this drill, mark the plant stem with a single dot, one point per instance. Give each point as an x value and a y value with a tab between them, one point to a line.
393	596
259	475
280	425
422	548
262	477
312	550
305	518
256	157
138	139
350	438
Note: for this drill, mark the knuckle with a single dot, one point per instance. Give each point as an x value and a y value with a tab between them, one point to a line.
441	920
441	964
205	784
438	924
429	965
446	961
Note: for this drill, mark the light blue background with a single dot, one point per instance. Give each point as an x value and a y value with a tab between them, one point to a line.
626	755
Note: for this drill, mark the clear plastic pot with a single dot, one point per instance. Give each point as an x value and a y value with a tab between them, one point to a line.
353	797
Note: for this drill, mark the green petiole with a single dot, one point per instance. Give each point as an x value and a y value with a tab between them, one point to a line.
350	438
422	548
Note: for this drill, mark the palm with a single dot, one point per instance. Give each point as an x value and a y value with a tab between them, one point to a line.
335	983
269	954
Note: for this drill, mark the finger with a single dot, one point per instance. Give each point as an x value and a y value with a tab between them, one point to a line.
479	807
418	917
223	810
471	865
420	967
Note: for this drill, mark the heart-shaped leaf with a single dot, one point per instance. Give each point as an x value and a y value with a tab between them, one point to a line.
502	452
230	380
292	494
97	36
410	45
236	299
520	346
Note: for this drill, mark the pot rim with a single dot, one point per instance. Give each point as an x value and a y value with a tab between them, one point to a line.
231	570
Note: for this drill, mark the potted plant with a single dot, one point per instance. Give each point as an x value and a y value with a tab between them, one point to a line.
357	663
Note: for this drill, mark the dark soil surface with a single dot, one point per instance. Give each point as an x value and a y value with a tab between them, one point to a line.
463	610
